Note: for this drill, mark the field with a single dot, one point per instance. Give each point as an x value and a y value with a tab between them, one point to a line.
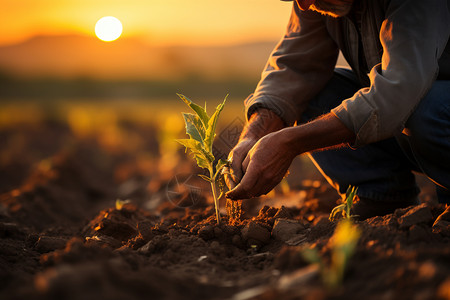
67	231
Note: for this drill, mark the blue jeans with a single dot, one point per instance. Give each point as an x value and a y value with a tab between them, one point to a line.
382	171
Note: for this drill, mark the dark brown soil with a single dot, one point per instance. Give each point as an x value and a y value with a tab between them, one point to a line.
62	237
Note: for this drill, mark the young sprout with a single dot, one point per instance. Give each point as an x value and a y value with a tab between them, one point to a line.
343	210
201	129
120	203
342	245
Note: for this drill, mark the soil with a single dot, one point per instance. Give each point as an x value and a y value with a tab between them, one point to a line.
62	236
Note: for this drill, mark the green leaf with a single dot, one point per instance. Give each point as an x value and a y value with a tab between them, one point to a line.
190	144
200	111
204	159
350	196
351	191
194	127
334	215
211	128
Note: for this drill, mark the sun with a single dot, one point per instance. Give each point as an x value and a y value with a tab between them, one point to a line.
108	29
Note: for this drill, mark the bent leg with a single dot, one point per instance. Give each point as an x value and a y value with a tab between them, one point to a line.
380	170
427	133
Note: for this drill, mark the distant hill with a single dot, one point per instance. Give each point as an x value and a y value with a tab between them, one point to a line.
130	59
55	67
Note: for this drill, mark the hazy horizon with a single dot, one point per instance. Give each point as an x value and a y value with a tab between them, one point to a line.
75	56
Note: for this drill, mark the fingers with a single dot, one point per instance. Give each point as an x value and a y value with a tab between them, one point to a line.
229	181
250	185
243	189
249	189
237	156
241	164
236	166
245	163
256	182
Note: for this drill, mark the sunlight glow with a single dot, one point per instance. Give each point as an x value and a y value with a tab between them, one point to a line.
108	29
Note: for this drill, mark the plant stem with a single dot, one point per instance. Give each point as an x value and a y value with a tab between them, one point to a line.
214	192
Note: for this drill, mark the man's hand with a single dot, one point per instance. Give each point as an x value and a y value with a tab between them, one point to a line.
237	156
264	166
262	122
268	160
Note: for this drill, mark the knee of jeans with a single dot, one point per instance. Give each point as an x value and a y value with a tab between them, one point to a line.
431	119
419	127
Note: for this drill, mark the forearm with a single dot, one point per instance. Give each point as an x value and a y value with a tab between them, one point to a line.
261	123
324	132
298	69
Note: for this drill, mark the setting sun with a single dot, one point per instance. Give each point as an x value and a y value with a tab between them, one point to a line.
108	29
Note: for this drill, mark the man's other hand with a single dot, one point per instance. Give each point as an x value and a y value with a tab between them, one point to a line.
263	167
237	156
262	122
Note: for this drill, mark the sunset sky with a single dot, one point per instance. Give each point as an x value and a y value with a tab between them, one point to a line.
158	22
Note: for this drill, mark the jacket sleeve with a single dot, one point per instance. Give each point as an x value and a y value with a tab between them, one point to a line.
413	35
298	68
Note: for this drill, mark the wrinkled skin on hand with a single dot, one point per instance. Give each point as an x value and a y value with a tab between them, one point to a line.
261	123
237	157
268	159
264	166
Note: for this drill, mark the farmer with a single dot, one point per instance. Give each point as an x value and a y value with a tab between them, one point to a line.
367	127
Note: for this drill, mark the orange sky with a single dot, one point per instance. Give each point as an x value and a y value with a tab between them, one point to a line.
159	22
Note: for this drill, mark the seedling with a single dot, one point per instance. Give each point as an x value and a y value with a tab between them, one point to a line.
201	129
342	245
120	203
343	210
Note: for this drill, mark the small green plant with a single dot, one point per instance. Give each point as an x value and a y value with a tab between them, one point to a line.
201	129
343	210
120	203
342	245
